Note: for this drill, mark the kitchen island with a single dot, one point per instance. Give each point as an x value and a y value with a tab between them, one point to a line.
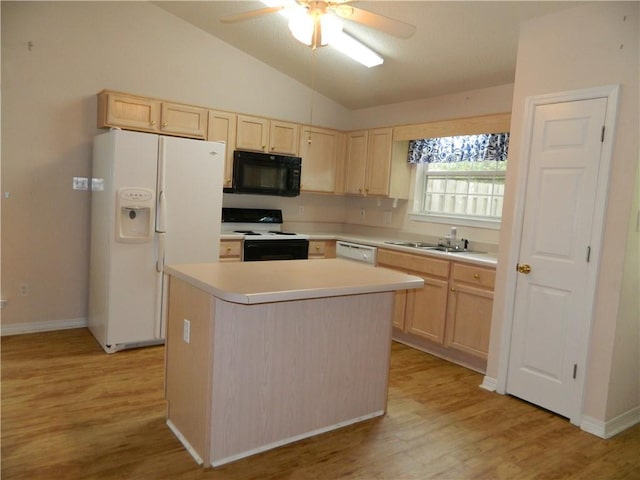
260	354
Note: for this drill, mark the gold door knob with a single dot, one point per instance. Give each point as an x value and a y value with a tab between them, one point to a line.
317	248
476	275
228	249
526	269
153	122
453	289
164	124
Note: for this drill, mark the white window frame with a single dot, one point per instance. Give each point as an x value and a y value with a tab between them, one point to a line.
464	220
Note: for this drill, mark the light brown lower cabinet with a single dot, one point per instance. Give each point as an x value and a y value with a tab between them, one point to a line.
451	315
469	309
322	249
230	250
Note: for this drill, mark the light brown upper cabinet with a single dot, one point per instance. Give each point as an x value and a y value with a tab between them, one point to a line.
265	135
150	115
222	128
322	151
376	165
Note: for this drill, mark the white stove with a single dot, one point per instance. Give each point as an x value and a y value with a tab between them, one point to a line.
256	225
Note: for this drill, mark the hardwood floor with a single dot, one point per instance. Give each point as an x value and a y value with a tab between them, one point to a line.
70	411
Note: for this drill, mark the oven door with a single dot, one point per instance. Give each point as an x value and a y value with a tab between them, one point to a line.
259	250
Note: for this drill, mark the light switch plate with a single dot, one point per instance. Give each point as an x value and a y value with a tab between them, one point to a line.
97	184
80	183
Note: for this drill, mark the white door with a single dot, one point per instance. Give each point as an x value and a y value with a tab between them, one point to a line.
553	302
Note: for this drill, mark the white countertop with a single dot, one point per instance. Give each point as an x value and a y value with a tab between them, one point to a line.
488	259
278	281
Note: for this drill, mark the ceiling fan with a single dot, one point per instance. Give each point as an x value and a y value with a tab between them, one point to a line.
314	22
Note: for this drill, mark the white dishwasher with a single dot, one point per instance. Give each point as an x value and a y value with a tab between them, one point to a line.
356	252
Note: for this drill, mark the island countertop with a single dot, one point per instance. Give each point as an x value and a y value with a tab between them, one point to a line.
278	281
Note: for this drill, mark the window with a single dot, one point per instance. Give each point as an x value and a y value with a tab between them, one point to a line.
460	178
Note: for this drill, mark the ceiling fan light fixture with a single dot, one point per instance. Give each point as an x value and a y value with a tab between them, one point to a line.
342	42
313	29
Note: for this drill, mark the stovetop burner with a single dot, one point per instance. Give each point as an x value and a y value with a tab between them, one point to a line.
258	224
266	232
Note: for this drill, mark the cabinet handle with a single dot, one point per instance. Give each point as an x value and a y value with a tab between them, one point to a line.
164	124
228	249
264	147
359	190
453	289
476	275
317	248
153	122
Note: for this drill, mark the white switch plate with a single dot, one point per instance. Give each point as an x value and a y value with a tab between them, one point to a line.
186	331
80	183
97	184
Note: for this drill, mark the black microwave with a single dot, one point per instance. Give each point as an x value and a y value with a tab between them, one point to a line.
265	174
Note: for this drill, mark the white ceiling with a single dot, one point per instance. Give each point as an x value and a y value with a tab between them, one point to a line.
458	46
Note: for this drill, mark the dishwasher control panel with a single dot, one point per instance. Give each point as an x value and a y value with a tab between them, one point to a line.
356	252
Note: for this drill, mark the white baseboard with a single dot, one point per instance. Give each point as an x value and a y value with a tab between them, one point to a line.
611	427
46	326
489	383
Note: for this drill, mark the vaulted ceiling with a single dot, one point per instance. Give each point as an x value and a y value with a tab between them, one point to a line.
458	46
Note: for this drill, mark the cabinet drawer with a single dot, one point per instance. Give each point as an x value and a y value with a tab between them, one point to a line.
474	275
316	247
230	249
416	263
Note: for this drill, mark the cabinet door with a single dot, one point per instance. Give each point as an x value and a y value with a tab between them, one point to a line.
128	111
230	250
184	120
222	128
319	149
399	309
427	308
469	319
355	168
252	133
379	161
283	137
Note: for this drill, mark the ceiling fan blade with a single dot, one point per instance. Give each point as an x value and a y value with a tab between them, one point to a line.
374	20
250	14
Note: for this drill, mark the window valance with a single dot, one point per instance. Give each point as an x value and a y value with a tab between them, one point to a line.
471	148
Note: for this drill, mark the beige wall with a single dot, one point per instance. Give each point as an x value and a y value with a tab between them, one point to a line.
49	112
584	47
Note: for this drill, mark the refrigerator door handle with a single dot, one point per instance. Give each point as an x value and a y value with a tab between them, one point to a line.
161	208
160	253
161	220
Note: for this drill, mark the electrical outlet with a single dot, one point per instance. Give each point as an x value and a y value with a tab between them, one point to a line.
186	331
24	289
386	217
80	183
362	213
300	210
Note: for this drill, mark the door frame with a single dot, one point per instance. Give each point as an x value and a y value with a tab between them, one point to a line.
611	93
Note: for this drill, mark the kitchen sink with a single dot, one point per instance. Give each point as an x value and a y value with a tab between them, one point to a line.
445	248
412	244
430	246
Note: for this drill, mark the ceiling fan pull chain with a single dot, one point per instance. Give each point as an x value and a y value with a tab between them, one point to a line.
313	91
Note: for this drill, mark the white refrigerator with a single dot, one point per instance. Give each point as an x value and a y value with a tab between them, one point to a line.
155	200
